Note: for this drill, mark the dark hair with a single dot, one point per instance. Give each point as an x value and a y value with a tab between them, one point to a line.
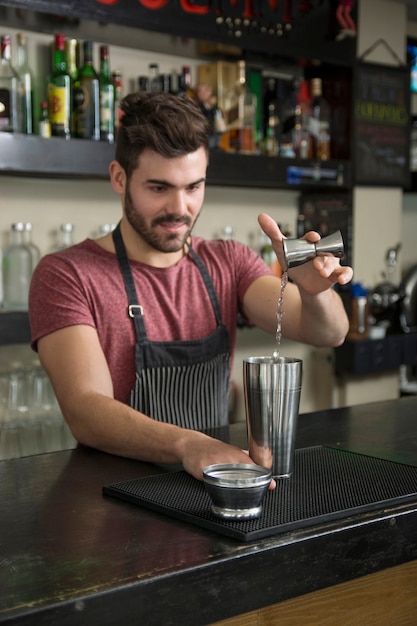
171	125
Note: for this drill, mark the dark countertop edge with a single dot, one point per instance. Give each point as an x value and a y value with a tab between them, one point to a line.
248	576
218	589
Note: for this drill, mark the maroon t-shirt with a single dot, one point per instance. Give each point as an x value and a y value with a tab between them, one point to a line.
83	285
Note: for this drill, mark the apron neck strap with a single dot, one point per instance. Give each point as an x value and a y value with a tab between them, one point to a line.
135	310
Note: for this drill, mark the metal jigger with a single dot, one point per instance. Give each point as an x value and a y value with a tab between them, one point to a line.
299	251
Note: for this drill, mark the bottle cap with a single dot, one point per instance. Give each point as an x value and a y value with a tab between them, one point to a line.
60	42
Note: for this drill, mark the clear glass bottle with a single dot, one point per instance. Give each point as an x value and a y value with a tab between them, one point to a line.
65	237
86	98
17	270
107	97
34	250
154	78
319	123
26	84
60	92
9	90
44	125
240	114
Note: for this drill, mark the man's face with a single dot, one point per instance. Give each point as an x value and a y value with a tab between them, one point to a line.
163	198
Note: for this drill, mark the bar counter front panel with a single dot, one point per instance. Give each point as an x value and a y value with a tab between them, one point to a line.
69	555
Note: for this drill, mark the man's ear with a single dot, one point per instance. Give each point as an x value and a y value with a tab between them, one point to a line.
117	177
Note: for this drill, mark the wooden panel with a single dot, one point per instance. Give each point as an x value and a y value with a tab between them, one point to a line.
382	599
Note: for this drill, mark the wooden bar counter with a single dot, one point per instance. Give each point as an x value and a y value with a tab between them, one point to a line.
71	556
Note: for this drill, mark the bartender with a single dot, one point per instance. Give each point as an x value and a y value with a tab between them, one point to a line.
137	329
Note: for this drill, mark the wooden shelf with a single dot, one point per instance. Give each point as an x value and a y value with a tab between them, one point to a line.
22	155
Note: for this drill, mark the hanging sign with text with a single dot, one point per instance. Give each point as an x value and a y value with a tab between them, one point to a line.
381	125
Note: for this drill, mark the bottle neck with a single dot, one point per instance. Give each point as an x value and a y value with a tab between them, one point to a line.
16	236
60	64
88	53
105	68
22	54
71	58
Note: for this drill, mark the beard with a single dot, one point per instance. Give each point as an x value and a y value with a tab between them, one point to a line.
168	242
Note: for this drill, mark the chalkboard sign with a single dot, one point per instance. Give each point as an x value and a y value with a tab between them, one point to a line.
381	125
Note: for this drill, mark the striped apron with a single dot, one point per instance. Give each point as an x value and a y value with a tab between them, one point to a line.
179	382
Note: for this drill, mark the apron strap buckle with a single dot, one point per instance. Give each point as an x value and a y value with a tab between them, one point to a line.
132	307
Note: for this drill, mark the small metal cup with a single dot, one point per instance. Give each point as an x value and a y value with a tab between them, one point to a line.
299	251
236	489
272	388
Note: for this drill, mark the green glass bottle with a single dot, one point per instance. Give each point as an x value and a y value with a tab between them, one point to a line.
59	92
86	99
72	54
107	97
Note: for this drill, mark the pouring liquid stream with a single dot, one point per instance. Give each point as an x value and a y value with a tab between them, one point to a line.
280	313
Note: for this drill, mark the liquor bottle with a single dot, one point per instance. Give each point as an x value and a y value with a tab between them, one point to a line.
166	82
25	79
9	90
270	119
184	82
143	83
72	55
240	114
107	97
290	121
86	98
17	271
319	123
118	85
44	125
65	237
27	240
154	78
59	92
269	102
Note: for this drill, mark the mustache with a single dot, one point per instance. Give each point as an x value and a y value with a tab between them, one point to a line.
171	219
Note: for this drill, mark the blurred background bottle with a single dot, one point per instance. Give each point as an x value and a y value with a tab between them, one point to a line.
9	90
319	124
28	241
118	95
44	125
107	92
72	56
270	119
60	92
17	270
86	98
240	117
26	84
154	83
65	237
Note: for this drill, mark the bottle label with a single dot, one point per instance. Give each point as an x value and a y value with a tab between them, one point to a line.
86	110
58	109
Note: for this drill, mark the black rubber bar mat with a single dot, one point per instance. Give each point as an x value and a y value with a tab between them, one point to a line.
327	484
